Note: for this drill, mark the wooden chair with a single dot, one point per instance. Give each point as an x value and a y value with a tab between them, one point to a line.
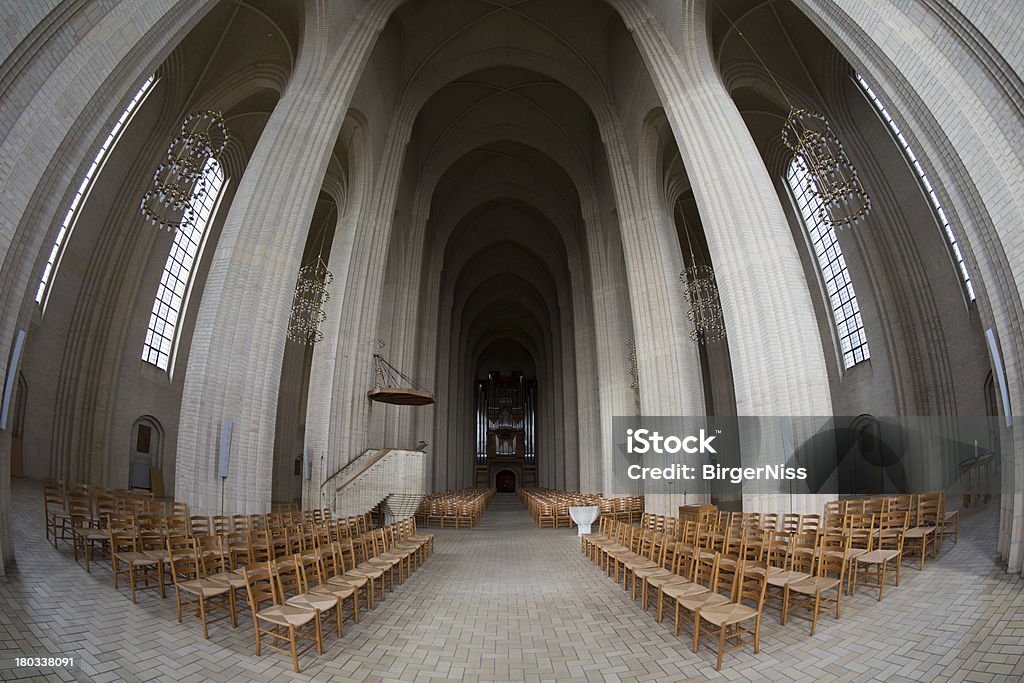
212	554
295	576
192	590
730	619
873	565
86	530
335	573
56	520
719	589
922	539
678	584
373	572
813	592
284	622
126	558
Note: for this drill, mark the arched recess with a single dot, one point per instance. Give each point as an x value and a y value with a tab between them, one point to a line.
146	454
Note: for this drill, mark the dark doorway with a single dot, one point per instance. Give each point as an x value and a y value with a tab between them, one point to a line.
505	481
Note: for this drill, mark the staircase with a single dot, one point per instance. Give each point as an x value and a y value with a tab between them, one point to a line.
374	478
399	506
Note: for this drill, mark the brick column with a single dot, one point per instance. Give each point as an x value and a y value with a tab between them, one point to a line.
235	363
774	343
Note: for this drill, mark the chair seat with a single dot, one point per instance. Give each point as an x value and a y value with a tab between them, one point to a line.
233	579
334	590
163	556
368	571
919	532
681	590
137	559
287	615
661	580
208	588
91	534
648	572
349	580
813	584
731	613
640	564
781	577
313	600
878	556
701	601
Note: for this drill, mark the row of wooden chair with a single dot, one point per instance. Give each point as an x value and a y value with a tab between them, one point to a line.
724	580
550	507
293	588
460	508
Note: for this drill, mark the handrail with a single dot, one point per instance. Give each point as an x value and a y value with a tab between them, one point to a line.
370	462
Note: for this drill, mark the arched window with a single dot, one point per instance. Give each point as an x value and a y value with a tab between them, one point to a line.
926	185
86	185
853	343
177	276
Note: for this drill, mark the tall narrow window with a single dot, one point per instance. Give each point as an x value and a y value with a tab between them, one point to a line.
163	321
83	188
853	343
926	185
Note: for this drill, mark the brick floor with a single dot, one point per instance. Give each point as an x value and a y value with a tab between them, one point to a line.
507	601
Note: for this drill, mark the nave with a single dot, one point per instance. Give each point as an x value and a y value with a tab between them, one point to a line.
506	600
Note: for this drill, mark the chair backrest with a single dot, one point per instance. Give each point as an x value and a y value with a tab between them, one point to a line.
928	508
309	570
211	554
770	521
260	546
752	584
200	526
259	586
183	560
861	530
804	551
791	523
890	537
152	531
810	523
105	506
833	564
286	576
705	570
240	523
779	549
122	540
221	525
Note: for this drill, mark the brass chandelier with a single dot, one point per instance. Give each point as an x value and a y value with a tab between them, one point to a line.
701	292
831	175
179	178
311	295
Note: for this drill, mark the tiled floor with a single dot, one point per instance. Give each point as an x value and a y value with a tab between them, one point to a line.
506	601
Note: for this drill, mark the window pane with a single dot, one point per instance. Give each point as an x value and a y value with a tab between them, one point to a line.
72	214
178	271
843	300
925	183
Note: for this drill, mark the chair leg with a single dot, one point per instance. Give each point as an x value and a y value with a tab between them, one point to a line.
721	647
202	616
696	630
131	580
817	606
295	655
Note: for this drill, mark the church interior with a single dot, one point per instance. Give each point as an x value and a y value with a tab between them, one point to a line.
328	328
